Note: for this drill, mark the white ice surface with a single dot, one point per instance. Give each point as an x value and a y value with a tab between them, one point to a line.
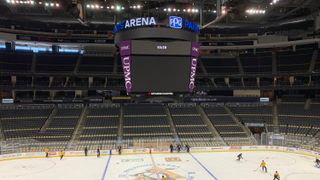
222	165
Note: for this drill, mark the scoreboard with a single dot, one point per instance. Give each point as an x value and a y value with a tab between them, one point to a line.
159	66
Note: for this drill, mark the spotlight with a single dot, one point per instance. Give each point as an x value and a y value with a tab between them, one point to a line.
118	8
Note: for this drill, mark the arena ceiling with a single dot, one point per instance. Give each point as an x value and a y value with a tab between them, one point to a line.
94	12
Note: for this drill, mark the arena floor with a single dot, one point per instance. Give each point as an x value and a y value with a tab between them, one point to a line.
199	166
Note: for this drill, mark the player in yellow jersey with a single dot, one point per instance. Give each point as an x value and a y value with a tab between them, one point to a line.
276	176
163	178
263	165
61	154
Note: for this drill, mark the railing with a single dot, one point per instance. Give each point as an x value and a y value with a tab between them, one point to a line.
304	142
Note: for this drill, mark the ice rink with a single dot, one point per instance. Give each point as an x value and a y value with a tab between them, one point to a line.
199	166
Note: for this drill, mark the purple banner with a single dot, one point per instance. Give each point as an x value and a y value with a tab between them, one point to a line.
195	49
193	70
125	48
193	66
126	65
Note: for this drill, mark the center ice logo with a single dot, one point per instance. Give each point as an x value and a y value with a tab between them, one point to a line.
148	171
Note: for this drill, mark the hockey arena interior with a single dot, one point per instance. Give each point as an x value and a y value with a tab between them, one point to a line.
159	89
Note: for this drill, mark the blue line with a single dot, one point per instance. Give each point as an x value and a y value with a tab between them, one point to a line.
214	177
105	169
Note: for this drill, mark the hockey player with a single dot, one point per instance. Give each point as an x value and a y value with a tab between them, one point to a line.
61	154
317	162
98	153
171	148
119	150
188	148
46	150
263	165
163	178
239	156
86	151
179	147
276	176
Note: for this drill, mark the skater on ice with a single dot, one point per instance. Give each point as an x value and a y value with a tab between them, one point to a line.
171	148
98	153
47	152
276	176
317	163
188	148
119	150
61	154
263	165
178	147
239	156
86	151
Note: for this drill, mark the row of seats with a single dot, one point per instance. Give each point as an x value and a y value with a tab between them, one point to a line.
257	63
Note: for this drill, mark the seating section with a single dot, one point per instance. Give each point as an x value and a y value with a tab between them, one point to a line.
56	62
96	64
190	127
221	65
101	126
15	61
256	63
150	125
295	119
23	121
225	125
253	113
63	123
145	123
298	61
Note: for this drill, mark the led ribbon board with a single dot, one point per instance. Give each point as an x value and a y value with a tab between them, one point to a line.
135	22
175	22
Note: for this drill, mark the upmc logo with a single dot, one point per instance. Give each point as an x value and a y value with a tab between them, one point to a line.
175	22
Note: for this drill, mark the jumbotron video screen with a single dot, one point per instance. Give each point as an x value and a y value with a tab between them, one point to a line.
160	73
158	66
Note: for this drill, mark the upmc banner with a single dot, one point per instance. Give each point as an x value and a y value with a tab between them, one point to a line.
125	52
193	65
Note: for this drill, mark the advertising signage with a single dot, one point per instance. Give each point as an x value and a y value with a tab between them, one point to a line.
174	22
